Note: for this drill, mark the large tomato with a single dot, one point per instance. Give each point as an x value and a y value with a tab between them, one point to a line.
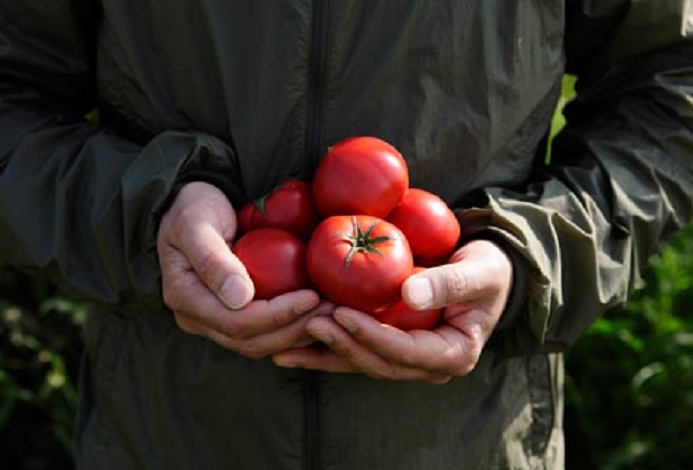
289	207
431	228
360	175
359	261
401	316
275	260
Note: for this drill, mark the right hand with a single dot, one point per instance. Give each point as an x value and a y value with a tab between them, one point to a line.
208	288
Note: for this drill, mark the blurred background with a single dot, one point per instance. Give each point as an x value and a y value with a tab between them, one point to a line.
629	379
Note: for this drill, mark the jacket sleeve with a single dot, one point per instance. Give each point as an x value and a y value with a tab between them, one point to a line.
620	181
79	203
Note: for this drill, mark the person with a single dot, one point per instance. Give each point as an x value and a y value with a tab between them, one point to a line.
202	106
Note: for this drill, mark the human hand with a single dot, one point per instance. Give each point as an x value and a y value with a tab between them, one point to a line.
473	289
208	288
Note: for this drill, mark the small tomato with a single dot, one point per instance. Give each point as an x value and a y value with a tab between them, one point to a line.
275	260
289	207
430	226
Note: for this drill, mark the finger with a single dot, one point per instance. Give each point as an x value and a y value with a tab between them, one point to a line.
445	350
318	357
184	292
327	360
256	318
324	359
351	356
291	336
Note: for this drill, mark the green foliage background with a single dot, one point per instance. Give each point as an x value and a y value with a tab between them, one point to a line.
629	380
40	350
629	388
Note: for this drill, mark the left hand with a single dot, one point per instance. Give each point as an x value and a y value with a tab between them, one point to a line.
473	289
209	290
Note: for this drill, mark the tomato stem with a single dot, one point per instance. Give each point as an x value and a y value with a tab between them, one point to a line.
363	241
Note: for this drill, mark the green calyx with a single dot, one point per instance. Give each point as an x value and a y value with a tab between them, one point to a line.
363	241
261	205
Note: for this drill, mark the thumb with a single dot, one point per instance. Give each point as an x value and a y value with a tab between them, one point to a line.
478	270
198	226
436	287
222	272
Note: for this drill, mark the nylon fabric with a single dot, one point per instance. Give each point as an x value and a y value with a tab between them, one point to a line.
224	92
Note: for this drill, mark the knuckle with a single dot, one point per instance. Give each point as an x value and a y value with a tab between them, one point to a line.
410	358
175	290
173	295
165	228
170	297
180	216
466	367
233	330
281	318
174	223
207	265
455	284
185	325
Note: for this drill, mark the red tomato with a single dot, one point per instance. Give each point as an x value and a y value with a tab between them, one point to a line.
360	175
431	228
275	260
289	207
359	261
401	316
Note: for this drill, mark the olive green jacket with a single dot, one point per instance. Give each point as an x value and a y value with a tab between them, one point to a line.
247	93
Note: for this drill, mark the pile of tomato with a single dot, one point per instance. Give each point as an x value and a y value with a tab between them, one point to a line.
355	233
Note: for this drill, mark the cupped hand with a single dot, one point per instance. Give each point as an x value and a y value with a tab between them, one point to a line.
208	288
473	290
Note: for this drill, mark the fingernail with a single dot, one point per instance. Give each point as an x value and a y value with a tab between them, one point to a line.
420	292
235	292
346	323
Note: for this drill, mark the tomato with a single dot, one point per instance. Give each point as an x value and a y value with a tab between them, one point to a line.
401	316
275	260
289	207
431	228
360	175
359	261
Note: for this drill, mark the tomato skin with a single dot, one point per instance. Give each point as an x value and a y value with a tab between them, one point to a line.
401	316
288	207
369	281
430	226
360	175
275	260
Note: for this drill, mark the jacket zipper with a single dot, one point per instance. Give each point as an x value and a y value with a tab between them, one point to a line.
315	96
316	83
311	421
